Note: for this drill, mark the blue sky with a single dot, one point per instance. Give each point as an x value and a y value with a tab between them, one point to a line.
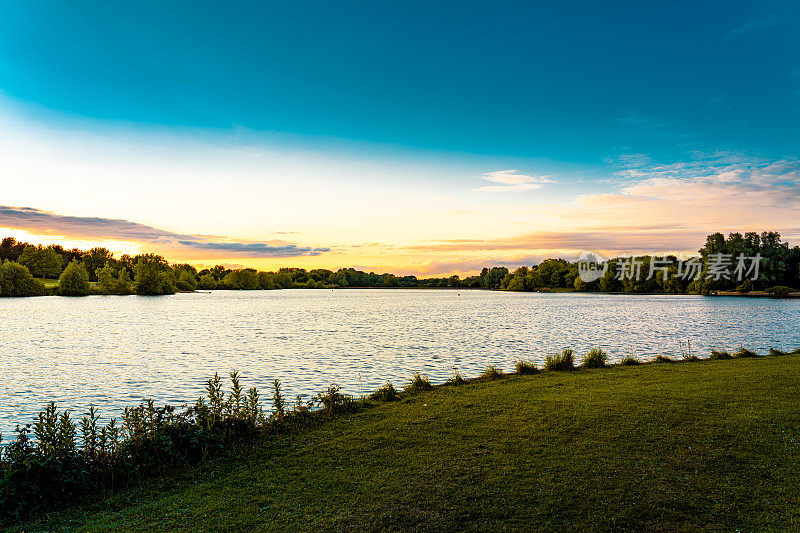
569	93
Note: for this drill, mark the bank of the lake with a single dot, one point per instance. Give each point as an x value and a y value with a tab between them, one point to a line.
663	447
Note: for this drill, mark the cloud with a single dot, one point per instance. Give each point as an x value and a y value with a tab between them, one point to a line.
95	228
512	180
256	249
754	26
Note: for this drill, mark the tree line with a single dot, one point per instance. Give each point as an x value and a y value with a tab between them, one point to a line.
24	268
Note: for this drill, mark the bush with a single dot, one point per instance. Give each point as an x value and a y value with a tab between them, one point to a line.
456	379
596	358
74	281
745	287
775	353
417	384
780	291
720	355
663	359
16	280
522	367
490	374
744	352
563	361
387	393
629	360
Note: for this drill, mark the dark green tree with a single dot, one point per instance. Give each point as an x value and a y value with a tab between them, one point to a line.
74	281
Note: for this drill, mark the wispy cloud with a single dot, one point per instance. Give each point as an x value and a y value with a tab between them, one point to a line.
512	180
47	223
755	26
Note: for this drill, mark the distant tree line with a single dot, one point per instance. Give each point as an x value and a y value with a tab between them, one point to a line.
778	270
24	268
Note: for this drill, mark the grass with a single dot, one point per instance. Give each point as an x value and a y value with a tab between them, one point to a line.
51	283
710	446
563	361
629	360
522	368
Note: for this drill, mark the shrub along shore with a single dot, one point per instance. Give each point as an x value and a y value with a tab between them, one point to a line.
70	461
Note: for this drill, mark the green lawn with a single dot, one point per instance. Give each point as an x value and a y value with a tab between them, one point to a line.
713	445
51	283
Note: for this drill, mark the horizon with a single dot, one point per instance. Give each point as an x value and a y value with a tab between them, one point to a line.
425	141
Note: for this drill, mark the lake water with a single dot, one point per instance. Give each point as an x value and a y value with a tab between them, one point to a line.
118	351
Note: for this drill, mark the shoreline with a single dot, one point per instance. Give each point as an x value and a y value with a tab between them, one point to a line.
454	411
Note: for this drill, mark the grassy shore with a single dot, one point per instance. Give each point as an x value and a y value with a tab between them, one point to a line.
691	446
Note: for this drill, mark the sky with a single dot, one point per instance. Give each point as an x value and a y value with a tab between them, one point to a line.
424	138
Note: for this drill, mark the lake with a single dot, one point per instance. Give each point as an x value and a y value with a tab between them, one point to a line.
116	351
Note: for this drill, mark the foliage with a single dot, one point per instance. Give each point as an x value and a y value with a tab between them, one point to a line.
779	269
663	359
780	291
629	360
720	354
243	279
490	374
418	383
186	281
152	276
522	367
387	393
16	280
43	262
207	282
563	361
74	281
112	282
455	379
596	358
744	352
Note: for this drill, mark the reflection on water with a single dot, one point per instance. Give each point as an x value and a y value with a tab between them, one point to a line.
118	351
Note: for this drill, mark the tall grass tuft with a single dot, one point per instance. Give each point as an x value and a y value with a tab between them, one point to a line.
773	352
522	367
563	361
456	379
387	393
629	360
720	355
744	352
663	359
418	383
490	374
596	358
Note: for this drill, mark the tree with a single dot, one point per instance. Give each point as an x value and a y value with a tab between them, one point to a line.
243	279
95	259
113	282
152	276
207	282
41	262
16	280
74	281
186	281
